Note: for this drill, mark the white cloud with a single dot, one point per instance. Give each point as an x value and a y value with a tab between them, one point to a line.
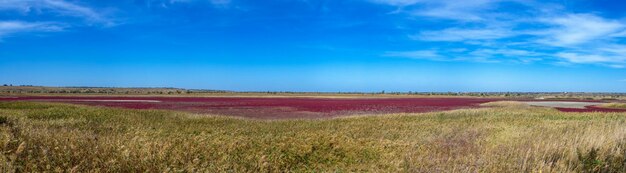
538	31
54	11
574	29
11	27
613	48
506	52
420	54
457	10
462	34
479	55
586	39
58	7
580	58
445	9
76	10
616	61
506	55
598	53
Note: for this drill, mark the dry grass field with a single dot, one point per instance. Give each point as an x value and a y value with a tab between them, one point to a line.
614	105
504	137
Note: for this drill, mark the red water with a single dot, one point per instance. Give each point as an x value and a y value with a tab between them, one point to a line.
259	107
275	107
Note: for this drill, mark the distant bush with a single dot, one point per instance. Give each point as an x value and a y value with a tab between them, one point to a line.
593	161
3	120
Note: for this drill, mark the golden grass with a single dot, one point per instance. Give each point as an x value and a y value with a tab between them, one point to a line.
505	104
614	105
37	137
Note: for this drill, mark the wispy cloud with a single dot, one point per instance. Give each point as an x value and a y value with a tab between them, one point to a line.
444	9
589	58
463	34
539	32
456	10
478	55
12	27
574	29
601	58
58	7
506	53
54	11
419	54
67	8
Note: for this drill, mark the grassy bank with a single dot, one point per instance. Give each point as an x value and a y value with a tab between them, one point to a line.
38	137
614	105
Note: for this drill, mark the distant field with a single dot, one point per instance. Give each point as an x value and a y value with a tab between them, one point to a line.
505	137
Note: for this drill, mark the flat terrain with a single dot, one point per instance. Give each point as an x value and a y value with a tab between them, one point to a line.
505	137
263	107
301	107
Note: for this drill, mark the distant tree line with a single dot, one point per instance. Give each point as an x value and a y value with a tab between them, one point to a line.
29	89
7	88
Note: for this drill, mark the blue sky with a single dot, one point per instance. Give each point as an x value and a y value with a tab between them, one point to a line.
307	45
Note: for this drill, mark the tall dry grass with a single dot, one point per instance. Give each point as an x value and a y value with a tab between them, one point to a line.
505	104
37	137
614	105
